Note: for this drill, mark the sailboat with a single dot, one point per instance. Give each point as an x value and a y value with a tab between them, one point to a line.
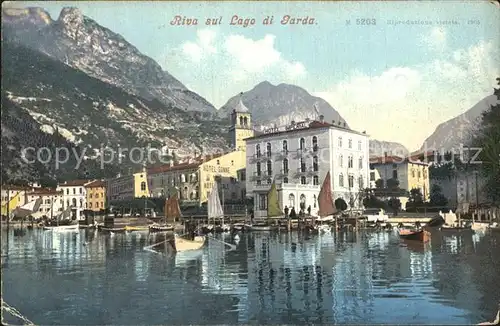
273	210
215	210
326	206
63	216
178	243
172	211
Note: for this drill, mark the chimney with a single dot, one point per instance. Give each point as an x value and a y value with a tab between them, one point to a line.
322	118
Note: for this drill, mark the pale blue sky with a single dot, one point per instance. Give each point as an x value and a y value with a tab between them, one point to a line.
396	82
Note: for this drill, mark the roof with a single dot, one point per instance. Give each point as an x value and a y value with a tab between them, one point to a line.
16	187
313	125
195	163
74	183
45	192
96	184
392	159
240	107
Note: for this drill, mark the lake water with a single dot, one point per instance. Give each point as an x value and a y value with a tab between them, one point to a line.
87	277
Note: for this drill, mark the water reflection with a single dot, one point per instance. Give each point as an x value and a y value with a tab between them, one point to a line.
89	277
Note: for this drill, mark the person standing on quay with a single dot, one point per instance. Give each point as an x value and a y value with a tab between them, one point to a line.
286	212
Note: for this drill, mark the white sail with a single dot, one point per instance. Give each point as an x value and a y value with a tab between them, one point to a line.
214	205
28	208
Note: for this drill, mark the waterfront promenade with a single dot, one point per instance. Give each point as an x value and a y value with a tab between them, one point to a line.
87	277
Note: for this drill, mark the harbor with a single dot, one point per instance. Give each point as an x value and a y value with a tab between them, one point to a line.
266	277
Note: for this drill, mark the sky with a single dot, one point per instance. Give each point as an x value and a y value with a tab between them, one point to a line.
396	81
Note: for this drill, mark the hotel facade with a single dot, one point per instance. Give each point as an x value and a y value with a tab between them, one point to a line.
299	156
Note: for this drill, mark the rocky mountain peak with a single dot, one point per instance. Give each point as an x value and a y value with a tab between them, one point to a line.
80	42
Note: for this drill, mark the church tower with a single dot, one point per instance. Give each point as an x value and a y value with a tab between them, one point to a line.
241	125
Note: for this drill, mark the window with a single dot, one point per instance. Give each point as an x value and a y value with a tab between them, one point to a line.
285	146
102	204
268	150
74	191
269	181
315	200
359	145
351	181
81	202
67	191
350	162
303	201
425	173
394	174
257	150
303	180
291	200
412	173
285	180
90	205
262	202
350	143
243	175
232	162
73	202
285	166
315	143
360	162
372	176
90	196
218	162
81	190
419	174
341	161
361	183
143	186
302	144
315	164
269	167
302	165
341	180
340	141
258	169
315	180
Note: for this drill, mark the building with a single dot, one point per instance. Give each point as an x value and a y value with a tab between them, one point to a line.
96	195
299	156
52	202
125	187
410	172
13	197
74	196
194	178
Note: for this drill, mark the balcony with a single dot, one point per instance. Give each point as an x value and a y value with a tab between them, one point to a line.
282	154
258	158
304	152
257	176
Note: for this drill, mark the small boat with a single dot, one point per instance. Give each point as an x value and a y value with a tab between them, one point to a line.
239	227
136	228
161	227
450	228
263	226
180	244
418	235
62	227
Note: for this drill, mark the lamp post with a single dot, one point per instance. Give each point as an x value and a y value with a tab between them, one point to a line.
477	195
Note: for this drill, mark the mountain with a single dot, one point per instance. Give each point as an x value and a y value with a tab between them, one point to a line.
81	43
379	148
451	134
43	98
281	104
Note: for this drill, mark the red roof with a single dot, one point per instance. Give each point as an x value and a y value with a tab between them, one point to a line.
96	184
45	192
312	125
74	183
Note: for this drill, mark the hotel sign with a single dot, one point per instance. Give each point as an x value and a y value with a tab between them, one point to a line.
218	169
300	125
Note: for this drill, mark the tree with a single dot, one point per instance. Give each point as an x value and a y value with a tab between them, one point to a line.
379	184
488	140
340	204
393	184
395	204
371	201
437	198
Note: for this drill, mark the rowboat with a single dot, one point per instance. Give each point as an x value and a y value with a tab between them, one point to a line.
263	227
180	244
419	235
136	228
161	227
449	228
62	227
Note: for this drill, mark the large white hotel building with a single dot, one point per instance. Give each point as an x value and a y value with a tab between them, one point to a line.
299	156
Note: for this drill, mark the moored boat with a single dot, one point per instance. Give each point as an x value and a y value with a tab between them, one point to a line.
416	235
180	244
161	227
263	226
450	228
61	227
136	228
